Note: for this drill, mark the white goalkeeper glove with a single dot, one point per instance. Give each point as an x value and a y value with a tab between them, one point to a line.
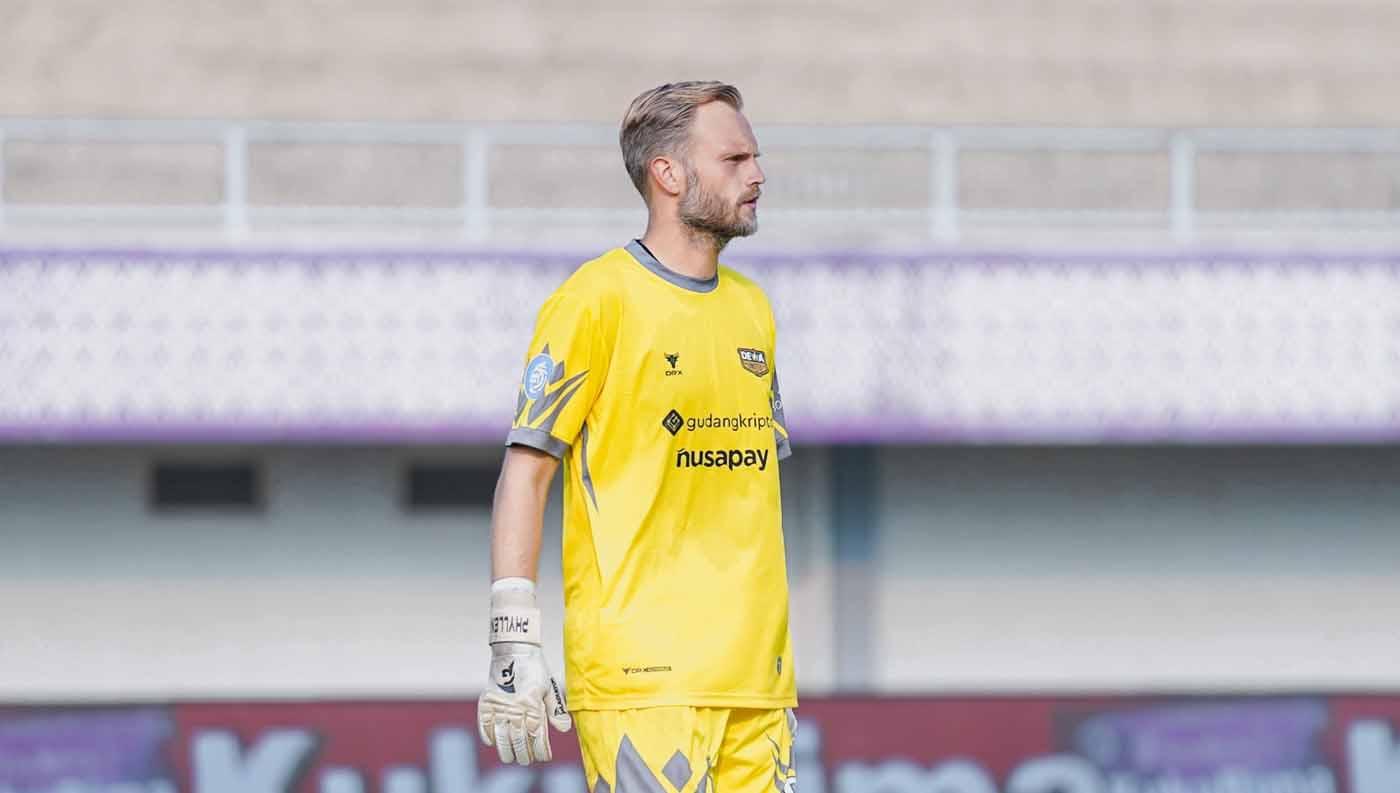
522	699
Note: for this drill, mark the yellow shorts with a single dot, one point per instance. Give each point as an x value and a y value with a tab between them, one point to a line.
687	750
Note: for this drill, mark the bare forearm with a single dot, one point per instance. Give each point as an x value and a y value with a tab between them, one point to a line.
517	514
516	523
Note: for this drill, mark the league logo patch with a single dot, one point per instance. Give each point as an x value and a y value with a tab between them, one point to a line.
538	375
753	361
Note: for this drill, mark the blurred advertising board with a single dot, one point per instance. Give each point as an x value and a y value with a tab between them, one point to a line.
1293	744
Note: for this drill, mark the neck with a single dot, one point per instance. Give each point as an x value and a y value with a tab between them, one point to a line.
684	250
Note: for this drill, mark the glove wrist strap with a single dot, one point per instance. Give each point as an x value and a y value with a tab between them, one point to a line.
514	616
515	625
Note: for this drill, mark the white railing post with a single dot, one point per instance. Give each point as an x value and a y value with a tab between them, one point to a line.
943	186
476	183
235	182
1183	186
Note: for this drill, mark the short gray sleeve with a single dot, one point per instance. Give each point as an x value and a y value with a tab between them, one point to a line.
538	439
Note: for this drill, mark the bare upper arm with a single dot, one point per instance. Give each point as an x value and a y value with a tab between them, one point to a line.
529	464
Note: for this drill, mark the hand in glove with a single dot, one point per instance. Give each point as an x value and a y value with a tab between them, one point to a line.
522	699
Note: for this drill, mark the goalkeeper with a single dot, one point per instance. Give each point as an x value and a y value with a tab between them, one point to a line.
676	646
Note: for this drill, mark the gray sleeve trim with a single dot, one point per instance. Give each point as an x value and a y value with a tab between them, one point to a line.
538	439
784	448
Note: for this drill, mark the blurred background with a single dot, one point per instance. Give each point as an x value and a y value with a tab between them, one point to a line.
1089	320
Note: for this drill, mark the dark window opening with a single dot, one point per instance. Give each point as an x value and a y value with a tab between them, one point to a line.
213	486
432	486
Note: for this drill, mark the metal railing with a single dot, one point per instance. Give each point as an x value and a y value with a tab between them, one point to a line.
943	219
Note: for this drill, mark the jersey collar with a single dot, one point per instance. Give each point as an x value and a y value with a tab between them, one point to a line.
644	257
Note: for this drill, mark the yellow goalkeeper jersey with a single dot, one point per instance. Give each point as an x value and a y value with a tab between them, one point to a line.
658	391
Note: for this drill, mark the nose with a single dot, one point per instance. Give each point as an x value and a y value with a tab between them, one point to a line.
756	178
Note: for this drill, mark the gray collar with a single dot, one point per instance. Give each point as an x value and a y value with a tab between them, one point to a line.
644	257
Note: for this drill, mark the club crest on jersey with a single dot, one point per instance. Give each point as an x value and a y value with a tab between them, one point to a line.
753	361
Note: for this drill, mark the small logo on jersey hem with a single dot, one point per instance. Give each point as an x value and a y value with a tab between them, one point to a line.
673	422
642	670
671	359
755	362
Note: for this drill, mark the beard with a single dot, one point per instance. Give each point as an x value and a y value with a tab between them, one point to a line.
708	215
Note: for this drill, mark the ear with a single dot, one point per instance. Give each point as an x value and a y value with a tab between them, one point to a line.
667	174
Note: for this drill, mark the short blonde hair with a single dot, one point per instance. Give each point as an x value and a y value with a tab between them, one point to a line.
658	122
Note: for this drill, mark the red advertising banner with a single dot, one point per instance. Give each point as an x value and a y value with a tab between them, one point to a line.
1276	744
